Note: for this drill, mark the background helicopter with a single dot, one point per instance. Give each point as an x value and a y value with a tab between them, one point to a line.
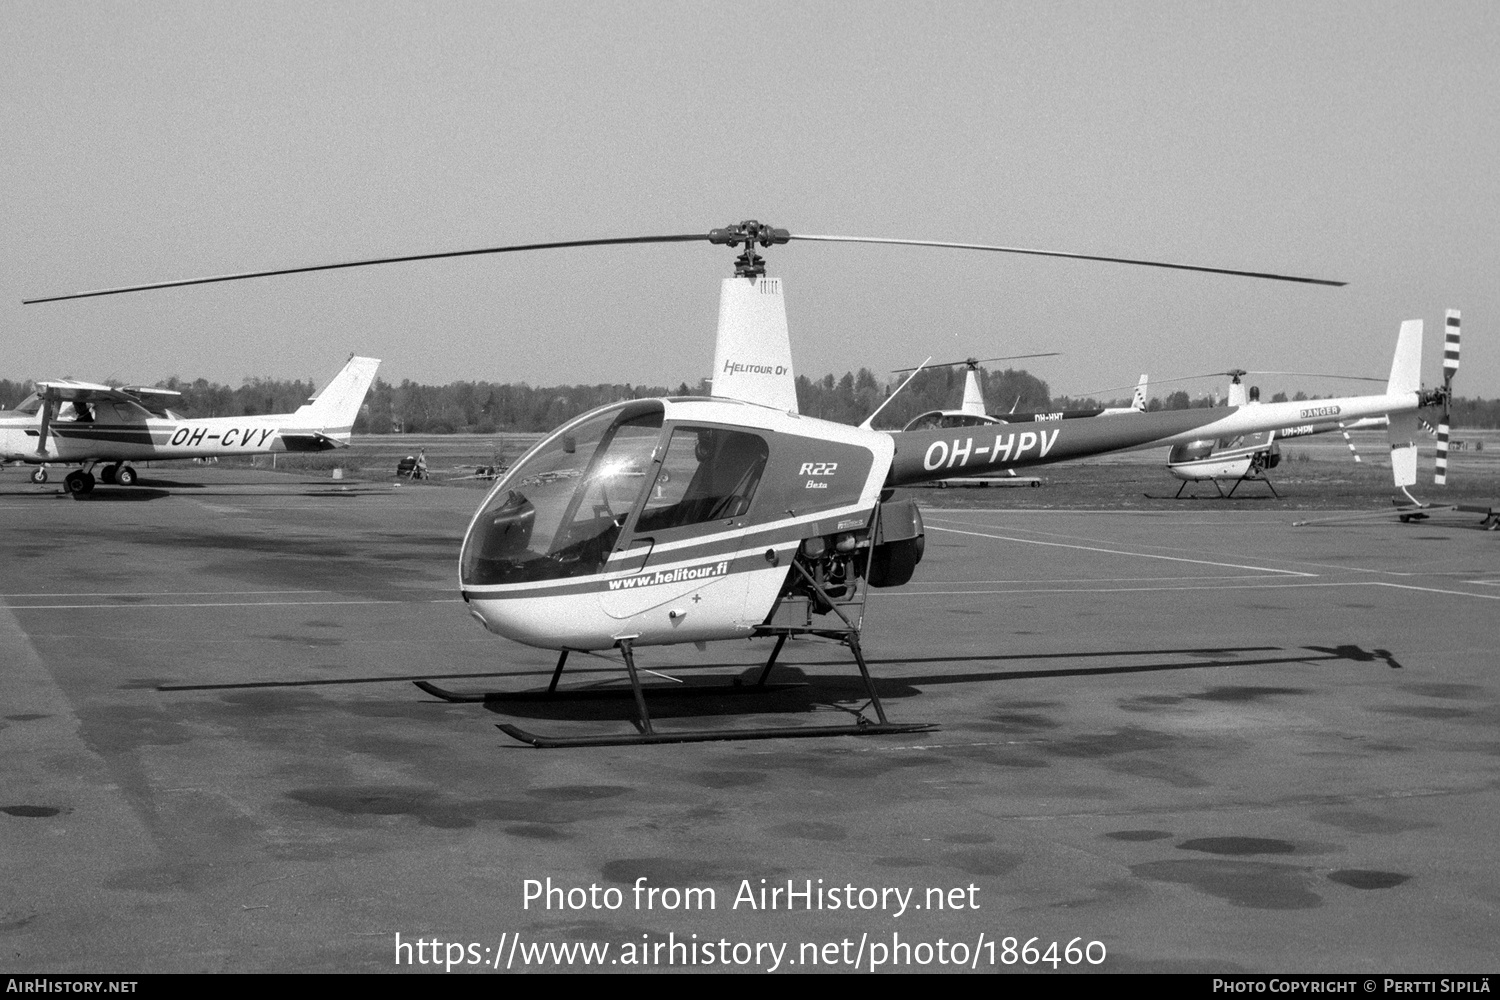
972	411
1249	457
662	521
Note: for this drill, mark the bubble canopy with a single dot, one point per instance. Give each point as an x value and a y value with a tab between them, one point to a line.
559	512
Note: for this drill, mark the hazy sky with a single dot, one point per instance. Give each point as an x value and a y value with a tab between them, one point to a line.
151	141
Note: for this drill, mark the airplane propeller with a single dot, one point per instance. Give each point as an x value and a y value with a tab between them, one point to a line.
749	264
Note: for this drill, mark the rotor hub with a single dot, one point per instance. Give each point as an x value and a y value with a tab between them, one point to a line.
749	264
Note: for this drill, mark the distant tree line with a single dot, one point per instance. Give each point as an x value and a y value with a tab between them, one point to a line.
491	407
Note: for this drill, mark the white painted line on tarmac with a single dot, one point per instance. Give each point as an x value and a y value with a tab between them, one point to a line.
1342	568
1080	579
168	593
1279	585
216	604
1435	590
1122	552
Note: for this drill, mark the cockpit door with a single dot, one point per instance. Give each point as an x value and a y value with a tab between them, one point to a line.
679	545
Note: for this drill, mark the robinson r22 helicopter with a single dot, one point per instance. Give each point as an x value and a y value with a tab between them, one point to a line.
1249	457
660	521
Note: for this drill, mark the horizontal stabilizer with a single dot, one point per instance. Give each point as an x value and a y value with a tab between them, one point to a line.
310	441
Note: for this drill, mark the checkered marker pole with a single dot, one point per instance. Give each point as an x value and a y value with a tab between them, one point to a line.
1450	368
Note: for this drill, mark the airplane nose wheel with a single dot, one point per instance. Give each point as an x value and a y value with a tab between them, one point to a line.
78	483
38	475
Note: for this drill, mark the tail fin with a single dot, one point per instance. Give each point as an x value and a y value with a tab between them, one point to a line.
1406	366
1406	376
753	355
338	404
973	398
1138	402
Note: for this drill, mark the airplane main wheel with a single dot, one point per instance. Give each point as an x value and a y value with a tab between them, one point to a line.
79	482
125	476
107	474
38	475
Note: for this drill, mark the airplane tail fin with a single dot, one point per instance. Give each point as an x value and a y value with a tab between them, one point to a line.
338	404
1138	401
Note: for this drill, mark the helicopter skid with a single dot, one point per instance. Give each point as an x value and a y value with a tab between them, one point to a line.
715	735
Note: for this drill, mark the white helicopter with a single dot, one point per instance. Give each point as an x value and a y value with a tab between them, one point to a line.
1249	457
661	521
79	423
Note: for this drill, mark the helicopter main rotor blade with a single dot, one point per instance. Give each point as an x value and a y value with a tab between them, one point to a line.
979	361
1351	378
239	276
1071	256
747	233
1239	371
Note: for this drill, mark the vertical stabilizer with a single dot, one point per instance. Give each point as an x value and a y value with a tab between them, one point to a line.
973	398
1138	401
753	356
1406	366
1237	395
338	404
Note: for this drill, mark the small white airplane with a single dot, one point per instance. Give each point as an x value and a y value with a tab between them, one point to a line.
79	423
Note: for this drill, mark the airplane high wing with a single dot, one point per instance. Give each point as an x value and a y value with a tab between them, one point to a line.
67	422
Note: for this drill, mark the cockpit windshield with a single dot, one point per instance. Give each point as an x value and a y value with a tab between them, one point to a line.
559	512
31	404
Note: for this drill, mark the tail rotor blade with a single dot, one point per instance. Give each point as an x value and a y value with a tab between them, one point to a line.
1441	476
1450	368
1450	346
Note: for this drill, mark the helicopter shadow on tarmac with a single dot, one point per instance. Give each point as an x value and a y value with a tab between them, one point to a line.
803	687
